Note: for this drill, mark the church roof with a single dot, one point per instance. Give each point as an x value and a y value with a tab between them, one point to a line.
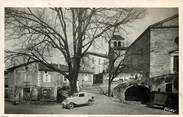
159	24
117	37
162	22
45	68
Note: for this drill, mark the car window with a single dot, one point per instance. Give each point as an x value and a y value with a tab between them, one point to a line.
81	95
75	95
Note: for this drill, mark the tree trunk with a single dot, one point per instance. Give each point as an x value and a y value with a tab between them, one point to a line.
73	86
73	82
74	75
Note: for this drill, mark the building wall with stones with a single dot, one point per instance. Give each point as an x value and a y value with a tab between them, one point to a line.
162	43
49	82
29	82
137	57
94	63
153	54
21	78
164	48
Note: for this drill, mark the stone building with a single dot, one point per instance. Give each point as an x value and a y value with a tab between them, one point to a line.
154	54
34	81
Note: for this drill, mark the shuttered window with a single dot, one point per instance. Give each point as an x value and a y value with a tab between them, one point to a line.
176	64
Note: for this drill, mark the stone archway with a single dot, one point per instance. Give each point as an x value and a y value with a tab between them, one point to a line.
137	93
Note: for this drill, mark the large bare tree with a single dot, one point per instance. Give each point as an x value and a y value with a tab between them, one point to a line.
69	31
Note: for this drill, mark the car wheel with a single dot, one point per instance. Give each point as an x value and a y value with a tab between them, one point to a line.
71	106
90	102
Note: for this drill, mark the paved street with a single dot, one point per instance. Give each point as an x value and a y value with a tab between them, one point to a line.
102	105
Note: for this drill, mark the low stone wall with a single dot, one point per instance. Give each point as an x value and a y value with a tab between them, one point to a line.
157	82
33	93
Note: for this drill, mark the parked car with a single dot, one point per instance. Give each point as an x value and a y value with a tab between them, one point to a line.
78	99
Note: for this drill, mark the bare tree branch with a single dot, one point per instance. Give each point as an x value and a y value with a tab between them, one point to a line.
41	31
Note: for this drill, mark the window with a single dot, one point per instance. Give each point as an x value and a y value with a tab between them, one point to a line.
81	95
46	92
27	90
65	79
169	87
159	90
174	59
46	77
93	60
175	64
115	43
176	40
89	78
119	44
6	83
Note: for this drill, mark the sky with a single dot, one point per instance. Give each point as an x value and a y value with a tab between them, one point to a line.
152	16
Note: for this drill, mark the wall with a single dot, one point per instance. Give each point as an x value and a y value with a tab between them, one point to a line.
50	79
30	77
137	57
162	43
94	63
10	84
21	78
85	79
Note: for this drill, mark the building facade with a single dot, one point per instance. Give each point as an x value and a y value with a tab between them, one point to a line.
154	54
34	81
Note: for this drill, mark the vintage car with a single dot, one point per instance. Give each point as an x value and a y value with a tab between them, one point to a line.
78	99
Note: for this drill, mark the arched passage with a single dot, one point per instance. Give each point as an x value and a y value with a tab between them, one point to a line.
137	93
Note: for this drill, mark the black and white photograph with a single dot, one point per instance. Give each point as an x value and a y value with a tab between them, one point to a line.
92	61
